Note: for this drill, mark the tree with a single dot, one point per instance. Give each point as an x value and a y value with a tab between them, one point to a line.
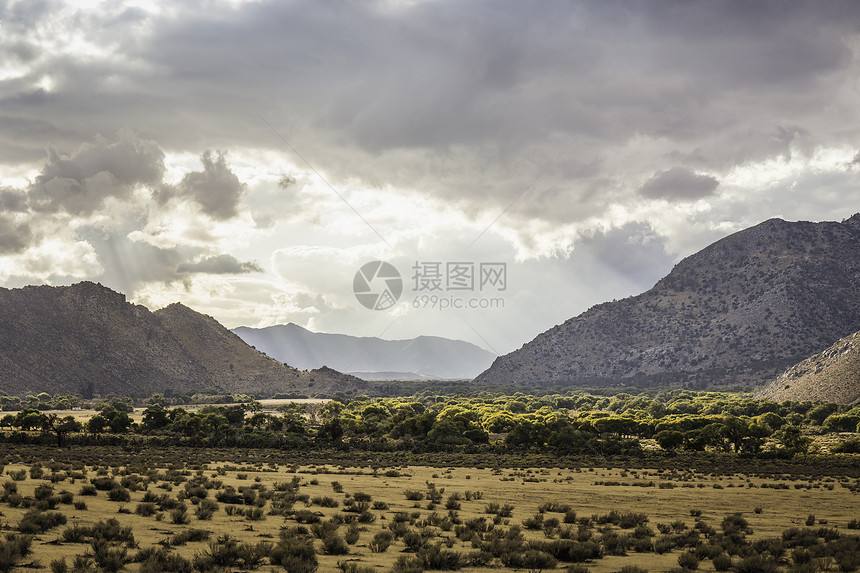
669	440
97	424
61	426
29	419
792	439
154	418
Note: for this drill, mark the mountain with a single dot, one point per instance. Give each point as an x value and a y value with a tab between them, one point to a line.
425	357
829	376
738	312
87	339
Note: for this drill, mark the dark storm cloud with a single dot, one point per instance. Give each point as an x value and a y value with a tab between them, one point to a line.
220	264
216	189
13	200
468	101
633	251
81	182
14	237
679	183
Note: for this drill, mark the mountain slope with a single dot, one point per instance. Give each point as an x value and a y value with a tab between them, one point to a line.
737	312
87	339
830	376
367	357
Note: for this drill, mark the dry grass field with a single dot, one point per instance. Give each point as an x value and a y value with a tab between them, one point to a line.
259	503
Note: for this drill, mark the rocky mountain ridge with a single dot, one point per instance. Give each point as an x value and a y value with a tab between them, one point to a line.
829	376
738	312
88	339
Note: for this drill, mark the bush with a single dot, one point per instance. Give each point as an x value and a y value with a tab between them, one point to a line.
537	560
119	494
756	564
145	509
295	555
108	558
352	534
688	560
179	516
325	501
12	550
35	521
335	545
190	536
206	509
381	541
722	562
434	557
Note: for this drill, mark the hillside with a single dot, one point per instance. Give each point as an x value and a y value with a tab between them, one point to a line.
424	357
830	376
737	312
87	339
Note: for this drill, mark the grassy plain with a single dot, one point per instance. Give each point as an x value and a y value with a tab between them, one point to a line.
674	497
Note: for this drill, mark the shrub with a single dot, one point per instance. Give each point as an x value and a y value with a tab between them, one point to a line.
112	530
76	534
39	522
12	550
88	489
108	558
119	494
295	555
434	557
104	483
325	501
537	560
335	545
190	535
688	560
381	541
306	516
206	509
722	562
756	564
179	515
352	534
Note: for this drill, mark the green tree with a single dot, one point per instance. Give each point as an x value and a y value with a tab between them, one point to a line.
669	440
97	424
61	427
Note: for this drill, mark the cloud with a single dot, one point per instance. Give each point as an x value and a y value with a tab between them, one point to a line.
80	183
14	237
220	264
479	100
13	200
216	189
679	183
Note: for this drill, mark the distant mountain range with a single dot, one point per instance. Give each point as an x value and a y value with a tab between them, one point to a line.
738	312
829	376
87	339
424	357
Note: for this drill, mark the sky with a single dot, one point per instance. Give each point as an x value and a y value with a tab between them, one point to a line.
516	162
